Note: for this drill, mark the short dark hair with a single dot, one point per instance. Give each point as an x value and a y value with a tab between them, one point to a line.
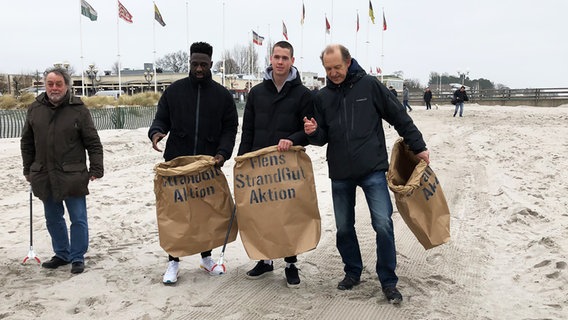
284	45
60	72
345	55
201	47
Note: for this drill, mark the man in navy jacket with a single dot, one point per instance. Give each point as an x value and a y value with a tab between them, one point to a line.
348	117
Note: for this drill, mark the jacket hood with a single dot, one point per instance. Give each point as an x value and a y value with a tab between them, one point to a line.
293	76
354	74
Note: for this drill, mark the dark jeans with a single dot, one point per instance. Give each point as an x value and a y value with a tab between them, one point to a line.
406	105
377	195
69	246
428	105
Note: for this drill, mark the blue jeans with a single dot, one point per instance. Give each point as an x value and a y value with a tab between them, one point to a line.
77	207
376	192
459	107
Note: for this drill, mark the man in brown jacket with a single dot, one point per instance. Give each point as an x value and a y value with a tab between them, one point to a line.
57	131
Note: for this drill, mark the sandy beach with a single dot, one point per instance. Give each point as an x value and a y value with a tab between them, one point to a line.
503	172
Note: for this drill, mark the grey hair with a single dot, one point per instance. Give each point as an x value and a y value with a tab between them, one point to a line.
60	72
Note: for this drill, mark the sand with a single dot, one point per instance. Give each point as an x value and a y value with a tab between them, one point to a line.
503	171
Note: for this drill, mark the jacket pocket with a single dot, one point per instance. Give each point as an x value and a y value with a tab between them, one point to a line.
36	167
74	167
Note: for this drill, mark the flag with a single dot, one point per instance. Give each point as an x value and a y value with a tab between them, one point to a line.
371	13
384	22
123	13
88	11
256	39
327	26
284	30
357	21
303	13
158	16
379	71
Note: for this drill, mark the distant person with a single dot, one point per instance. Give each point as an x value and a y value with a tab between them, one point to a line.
428	98
201	118
357	156
274	115
405	96
393	90
460	96
57	132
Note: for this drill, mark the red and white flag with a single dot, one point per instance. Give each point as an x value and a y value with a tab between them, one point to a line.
284	30
327	26
123	13
357	22
384	22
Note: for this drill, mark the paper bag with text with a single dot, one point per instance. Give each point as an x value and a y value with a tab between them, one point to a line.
193	205
419	197
276	202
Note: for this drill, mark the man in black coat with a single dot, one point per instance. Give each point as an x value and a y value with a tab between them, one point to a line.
460	96
274	115
201	118
428	98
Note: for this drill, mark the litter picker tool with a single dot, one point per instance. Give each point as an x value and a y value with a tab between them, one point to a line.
219	267
31	253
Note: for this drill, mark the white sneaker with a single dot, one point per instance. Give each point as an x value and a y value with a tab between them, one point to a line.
211	267
172	272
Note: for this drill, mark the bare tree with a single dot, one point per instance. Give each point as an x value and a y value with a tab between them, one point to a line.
175	61
4	83
241	59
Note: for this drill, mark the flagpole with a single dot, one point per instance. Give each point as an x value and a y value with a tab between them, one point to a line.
118	46
302	42
154	63
383	45
223	45
357	34
187	30
330	32
81	45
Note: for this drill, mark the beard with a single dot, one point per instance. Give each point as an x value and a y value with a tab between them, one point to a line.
56	98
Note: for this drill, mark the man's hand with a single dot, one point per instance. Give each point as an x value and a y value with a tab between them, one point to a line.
157	137
219	160
284	145
310	125
424	155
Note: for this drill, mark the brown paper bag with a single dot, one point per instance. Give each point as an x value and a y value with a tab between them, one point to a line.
193	205
419	197
276	203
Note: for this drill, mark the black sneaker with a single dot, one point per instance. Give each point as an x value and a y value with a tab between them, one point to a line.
347	283
292	277
54	263
259	270
77	267
393	295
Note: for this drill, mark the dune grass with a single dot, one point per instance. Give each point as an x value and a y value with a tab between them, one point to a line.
146	99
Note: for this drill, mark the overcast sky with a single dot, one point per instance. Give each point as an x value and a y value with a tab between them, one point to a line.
518	43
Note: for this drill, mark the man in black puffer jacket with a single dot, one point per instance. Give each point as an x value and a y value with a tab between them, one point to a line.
274	116
201	118
348	117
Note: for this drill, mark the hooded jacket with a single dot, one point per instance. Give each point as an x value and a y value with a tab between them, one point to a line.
349	117
200	116
53	144
271	115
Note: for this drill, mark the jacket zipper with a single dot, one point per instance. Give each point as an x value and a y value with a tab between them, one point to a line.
197	119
